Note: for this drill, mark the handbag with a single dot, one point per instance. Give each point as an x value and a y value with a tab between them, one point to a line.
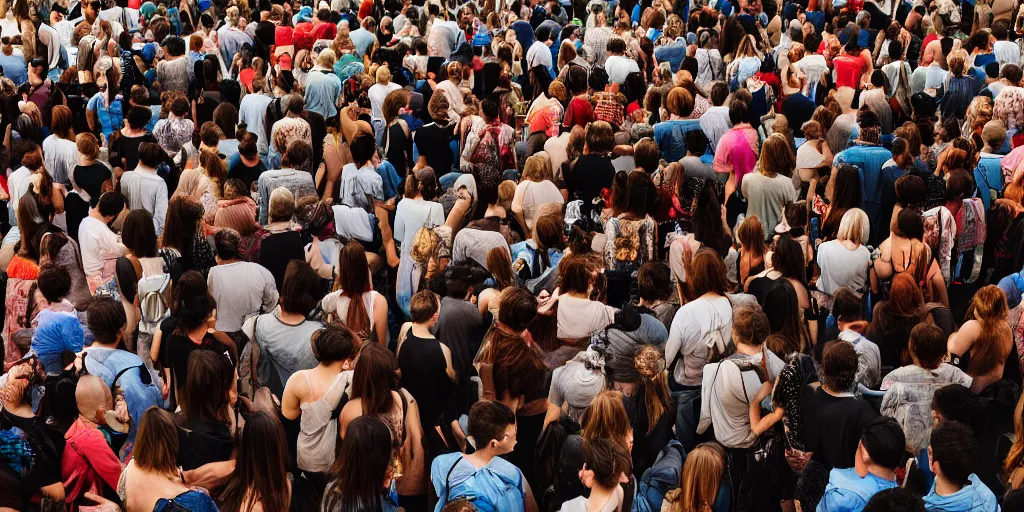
262	398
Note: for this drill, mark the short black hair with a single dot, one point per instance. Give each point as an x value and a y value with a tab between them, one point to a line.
174	45
737	112
896	499
1013	72
813	41
335	343
227	241
105	318
489	109
696	142
488	420
110	204
138	116
957	403
363	148
895	49
297	289
953	447
54	282
616	45
151	154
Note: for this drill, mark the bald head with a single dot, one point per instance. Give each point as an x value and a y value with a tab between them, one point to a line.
93	398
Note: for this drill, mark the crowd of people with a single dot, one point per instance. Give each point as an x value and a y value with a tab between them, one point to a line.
633	255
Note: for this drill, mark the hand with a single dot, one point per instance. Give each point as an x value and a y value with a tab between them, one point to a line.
121	409
165	391
102	504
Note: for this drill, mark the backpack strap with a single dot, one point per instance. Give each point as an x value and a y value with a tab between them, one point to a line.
254	355
447	477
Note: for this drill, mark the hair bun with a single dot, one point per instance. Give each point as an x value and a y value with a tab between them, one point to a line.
648	362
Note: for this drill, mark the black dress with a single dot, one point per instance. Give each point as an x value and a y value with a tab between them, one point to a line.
423	375
277	249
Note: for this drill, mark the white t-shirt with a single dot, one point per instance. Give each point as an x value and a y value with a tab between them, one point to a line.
17	185
376	94
539	54
530	196
1006	52
692	322
100	248
619	67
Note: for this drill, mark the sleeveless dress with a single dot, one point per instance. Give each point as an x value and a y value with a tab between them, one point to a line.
318	429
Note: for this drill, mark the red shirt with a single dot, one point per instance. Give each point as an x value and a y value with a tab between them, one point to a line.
325	31
578	113
365	9
283	36
88	462
848	70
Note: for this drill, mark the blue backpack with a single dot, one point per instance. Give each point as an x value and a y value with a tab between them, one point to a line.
660	478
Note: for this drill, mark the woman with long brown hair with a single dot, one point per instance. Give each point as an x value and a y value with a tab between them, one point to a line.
893	319
984	342
152	478
699	482
604	418
499	264
184	232
750	234
260	479
354	302
375	393
644	384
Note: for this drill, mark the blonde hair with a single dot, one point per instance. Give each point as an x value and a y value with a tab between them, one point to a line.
854	226
776	156
327	58
424	245
606	418
383	75
957	61
700	480
538	167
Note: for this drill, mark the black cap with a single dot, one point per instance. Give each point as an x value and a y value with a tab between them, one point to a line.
59	8
884	441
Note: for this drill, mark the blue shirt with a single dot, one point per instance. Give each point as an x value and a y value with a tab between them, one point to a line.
14	68
673	53
498	486
322	92
848	492
362	39
671	137
989	177
869	160
974	497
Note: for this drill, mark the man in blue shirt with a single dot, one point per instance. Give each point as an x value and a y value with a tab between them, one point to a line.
868	156
953	456
878	455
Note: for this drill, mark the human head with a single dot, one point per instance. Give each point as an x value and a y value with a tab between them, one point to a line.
647	155
785	318
651	281
605	464
700	479
896	499
750	235
260	470
362	465
616	46
226	118
708	275
927	345
575	277
282	205
247	147
54	282
909	224
994	134
606	418
138	234
847	305
363	149
788	258
958	403
600	138
156	442
737	112
206	393
854	226
492	425
679	102
517	308
151	154
298	288
335	343
106	319
749	326
374	379
838	366
110	204
882	442
424	307
776	157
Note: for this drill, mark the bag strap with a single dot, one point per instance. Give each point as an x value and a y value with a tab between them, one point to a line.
447	477
254	355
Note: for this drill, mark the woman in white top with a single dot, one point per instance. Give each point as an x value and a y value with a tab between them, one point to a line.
710	312
354	302
845	261
418	208
311	396
450	88
535	191
380	90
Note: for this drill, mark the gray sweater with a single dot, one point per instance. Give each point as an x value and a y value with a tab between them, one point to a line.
144	189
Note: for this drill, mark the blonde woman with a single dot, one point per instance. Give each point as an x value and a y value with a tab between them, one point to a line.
700	481
845	261
380	90
747	62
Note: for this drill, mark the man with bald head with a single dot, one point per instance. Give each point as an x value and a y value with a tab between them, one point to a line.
88	460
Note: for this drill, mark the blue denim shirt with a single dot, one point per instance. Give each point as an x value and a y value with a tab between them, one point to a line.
989	176
673	53
869	160
671	137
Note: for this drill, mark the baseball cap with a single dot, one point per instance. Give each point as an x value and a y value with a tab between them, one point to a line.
284	62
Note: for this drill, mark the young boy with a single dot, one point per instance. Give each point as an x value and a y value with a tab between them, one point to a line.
878	454
492	428
88	461
909	390
846	307
953	456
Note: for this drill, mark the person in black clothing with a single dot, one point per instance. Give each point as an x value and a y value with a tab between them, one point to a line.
593	171
247	165
91	177
434	139
833	415
397	137
426	366
204	433
282	242
124	144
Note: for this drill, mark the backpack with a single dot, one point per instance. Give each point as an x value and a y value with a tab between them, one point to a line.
660	478
152	293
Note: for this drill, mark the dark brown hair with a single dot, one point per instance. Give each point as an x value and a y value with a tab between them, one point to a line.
374	379
156	443
354	281
299	285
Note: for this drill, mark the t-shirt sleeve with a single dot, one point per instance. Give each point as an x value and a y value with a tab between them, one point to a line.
166	328
555	396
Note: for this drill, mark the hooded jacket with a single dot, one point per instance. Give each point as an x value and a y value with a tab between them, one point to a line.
974	497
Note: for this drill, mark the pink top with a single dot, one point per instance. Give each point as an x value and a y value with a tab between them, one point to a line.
737	151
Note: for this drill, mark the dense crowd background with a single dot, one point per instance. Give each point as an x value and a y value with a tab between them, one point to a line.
689	256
